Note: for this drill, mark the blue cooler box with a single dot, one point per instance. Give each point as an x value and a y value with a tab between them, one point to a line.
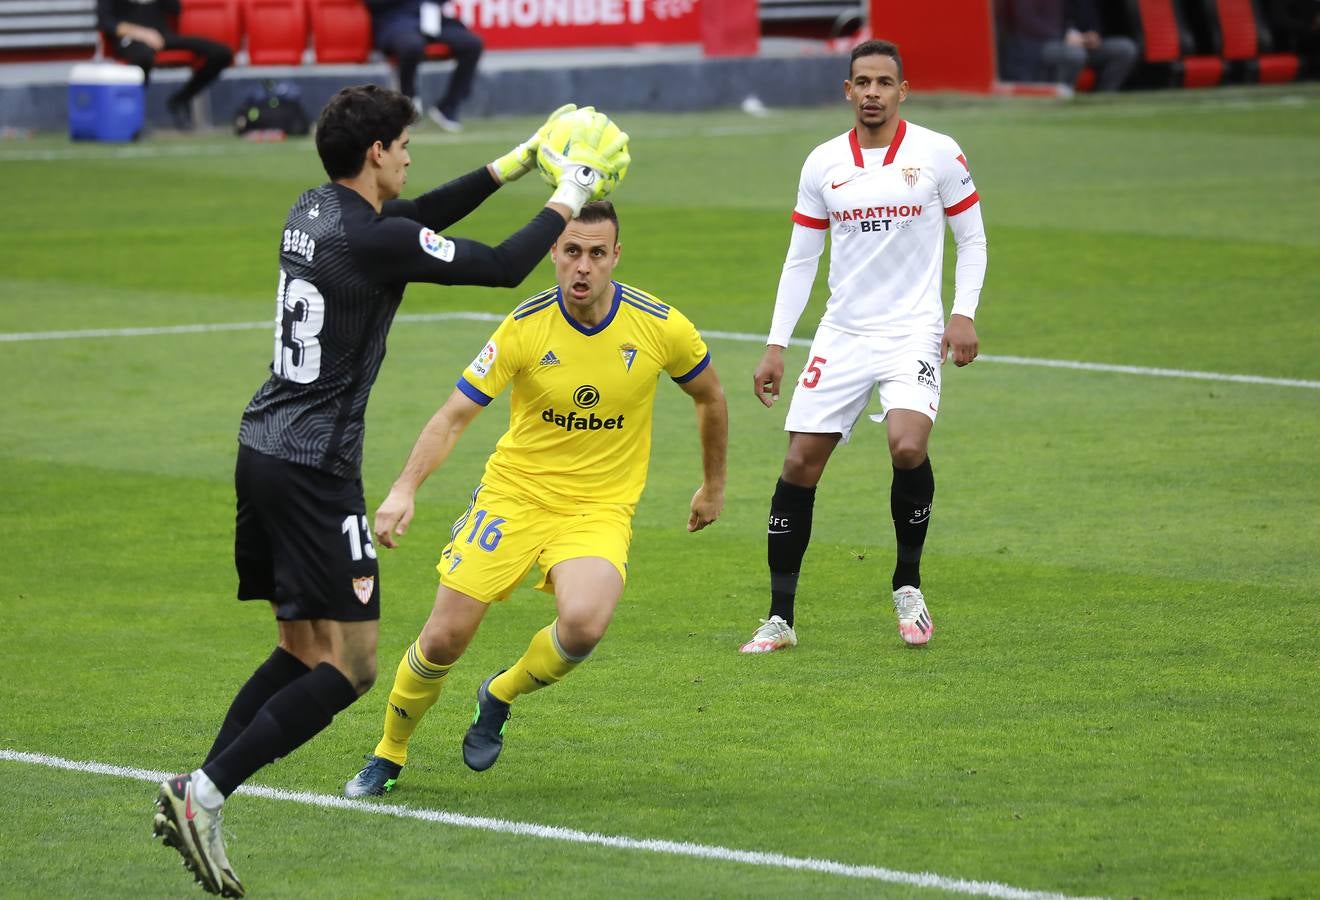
107	102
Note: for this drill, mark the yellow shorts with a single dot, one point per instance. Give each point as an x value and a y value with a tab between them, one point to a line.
494	544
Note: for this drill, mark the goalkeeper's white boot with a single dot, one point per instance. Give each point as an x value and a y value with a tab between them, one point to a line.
194	831
914	624
774	634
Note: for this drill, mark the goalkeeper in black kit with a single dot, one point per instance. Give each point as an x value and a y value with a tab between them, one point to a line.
347	251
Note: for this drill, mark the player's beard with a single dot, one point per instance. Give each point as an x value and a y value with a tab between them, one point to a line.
873	118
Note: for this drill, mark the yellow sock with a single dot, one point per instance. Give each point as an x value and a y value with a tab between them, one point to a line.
417	684
544	663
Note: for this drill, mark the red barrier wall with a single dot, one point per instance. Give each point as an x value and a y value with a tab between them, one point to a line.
947	45
527	24
730	27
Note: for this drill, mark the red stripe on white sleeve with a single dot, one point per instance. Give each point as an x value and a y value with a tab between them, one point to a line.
963	205
809	222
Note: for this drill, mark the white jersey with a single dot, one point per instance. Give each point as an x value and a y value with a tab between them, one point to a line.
885	210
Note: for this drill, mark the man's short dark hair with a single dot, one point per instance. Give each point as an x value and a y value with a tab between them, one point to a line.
600	211
876	48
353	120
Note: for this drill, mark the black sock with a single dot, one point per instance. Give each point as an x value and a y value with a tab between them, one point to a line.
297	713
280	668
786	543
910	498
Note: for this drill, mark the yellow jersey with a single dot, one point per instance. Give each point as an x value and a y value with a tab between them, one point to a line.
582	400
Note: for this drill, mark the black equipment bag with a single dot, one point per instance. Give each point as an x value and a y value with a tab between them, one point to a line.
272	106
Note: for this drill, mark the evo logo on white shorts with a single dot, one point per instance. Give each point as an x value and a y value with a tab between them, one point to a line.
926	376
435	245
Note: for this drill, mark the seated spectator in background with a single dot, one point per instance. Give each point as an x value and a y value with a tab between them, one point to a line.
402	29
1053	40
136	29
1295	25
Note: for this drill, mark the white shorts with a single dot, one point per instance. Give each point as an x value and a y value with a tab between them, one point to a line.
835	386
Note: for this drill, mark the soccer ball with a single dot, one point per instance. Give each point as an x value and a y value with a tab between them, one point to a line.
553	154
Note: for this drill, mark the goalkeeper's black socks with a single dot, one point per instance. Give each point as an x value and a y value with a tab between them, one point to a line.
280	668
297	713
910	498
787	538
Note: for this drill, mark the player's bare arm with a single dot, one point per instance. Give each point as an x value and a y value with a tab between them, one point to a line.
713	426
431	449
769	373
960	337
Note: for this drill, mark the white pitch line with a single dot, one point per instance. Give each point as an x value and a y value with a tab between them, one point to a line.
146	331
570	835
92	154
19	336
1155	372
741	336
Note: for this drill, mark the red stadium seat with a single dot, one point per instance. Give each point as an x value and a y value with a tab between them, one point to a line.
1238	33
341	30
438	50
219	20
1166	42
276	32
434	50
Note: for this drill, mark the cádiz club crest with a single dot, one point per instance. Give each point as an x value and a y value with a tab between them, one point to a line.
629	353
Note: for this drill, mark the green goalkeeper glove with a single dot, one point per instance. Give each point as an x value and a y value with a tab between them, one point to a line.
613	149
522	159
583	156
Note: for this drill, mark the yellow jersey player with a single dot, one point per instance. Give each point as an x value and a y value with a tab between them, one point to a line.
583	360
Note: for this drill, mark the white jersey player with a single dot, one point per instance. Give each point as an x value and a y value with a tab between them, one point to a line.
883	191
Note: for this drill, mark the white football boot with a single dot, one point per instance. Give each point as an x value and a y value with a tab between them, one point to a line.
194	831
914	623
774	634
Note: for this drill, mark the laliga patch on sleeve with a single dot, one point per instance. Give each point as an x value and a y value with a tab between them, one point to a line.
485	359
436	245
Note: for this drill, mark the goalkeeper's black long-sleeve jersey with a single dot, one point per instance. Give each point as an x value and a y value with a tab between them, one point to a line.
343	269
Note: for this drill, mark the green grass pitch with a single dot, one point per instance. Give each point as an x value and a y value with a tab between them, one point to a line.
1121	695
